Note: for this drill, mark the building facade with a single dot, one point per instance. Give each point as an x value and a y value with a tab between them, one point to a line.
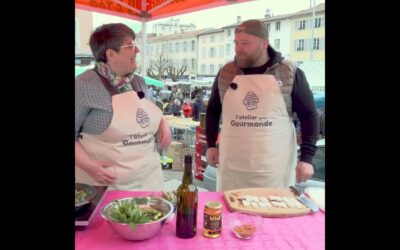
172	26
308	37
83	29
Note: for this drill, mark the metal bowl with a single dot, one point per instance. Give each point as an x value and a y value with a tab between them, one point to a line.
142	231
91	193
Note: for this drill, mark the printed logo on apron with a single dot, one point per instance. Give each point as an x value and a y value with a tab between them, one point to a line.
142	118
250	100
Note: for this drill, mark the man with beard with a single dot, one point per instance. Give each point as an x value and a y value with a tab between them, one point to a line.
257	95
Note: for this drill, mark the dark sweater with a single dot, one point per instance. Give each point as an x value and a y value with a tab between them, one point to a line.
302	103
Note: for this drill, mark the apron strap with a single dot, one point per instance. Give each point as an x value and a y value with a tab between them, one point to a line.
110	88
106	84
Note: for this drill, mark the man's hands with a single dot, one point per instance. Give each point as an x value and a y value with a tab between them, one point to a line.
164	133
212	156
304	171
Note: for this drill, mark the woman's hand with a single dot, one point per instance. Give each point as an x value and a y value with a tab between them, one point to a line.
96	169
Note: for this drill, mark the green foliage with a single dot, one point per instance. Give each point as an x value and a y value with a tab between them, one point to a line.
127	211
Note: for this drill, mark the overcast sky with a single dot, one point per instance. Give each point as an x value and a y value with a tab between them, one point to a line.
226	14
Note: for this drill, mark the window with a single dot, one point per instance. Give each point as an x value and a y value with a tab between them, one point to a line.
184	46
212	52
317	23
204	39
163	28
229	32
177	47
193	64
212	38
221	51
221	37
278	26
316	44
203	52
300	45
192	45
170	47
212	69
277	44
203	68
301	25
184	62
228	49
268	27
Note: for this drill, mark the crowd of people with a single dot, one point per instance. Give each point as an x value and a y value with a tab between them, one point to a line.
177	102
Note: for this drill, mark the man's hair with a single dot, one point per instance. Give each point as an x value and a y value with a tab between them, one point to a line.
253	27
108	36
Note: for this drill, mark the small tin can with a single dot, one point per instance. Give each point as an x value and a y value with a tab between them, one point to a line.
212	219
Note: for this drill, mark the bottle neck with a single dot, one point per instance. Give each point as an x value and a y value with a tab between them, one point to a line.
187	174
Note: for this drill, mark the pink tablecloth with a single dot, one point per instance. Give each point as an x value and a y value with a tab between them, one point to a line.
303	232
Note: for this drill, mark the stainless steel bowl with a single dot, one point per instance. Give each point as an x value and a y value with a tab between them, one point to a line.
142	231
90	191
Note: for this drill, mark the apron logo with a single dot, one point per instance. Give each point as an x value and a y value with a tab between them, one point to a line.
142	118
250	101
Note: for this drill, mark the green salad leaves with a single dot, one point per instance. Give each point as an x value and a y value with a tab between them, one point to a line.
127	211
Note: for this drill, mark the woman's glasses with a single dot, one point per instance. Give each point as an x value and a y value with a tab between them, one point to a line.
132	45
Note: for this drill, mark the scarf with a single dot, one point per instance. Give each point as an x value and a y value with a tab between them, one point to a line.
120	84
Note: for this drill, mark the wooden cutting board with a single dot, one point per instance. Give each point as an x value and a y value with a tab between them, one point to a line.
235	204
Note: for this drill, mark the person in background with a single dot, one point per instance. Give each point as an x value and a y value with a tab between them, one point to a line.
176	108
198	107
115	127
151	93
187	108
194	93
257	94
179	95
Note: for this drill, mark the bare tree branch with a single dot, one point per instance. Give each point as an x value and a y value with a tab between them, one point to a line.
174	73
157	68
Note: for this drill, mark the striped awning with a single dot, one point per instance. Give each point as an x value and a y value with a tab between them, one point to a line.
315	72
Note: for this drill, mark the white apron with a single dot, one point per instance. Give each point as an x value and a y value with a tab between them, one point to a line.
257	146
128	143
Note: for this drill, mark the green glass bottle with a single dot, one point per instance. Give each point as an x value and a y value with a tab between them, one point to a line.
186	207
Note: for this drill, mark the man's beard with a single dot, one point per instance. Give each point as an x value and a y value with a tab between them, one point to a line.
249	60
245	62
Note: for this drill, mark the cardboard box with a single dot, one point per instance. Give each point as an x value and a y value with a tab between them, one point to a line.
174	147
179	157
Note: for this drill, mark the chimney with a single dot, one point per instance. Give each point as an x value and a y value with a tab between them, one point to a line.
267	13
238	19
